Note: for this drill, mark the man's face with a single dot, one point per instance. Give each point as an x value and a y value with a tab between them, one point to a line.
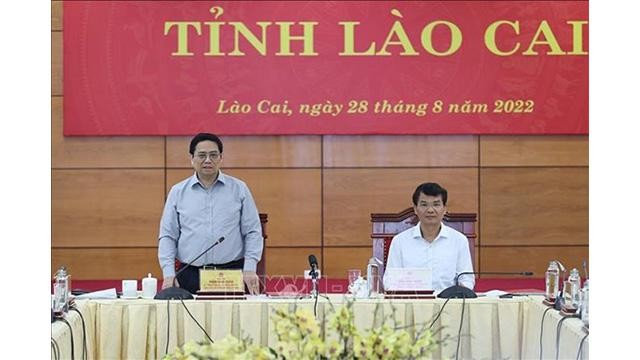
206	158
430	209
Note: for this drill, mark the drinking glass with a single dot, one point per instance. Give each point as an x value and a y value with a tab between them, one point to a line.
353	275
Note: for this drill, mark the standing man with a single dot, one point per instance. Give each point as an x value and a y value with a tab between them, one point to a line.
431	244
200	210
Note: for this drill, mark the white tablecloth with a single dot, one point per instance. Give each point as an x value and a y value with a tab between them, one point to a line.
492	328
61	334
571	333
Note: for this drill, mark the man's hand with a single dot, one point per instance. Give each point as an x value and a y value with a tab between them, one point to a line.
168	282
252	282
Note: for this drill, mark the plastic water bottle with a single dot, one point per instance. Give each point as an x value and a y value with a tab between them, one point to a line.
61	292
572	290
552	277
584	309
373	277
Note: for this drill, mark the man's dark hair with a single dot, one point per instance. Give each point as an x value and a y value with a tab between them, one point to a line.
431	189
204	137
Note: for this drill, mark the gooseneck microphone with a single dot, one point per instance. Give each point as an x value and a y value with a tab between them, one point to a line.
175	292
458	292
313	262
461	292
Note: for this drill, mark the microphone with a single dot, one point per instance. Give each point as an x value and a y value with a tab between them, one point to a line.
458	292
176	293
559	298
562	269
313	262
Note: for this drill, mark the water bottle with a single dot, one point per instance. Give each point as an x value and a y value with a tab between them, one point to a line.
61	292
373	277
571	292
552	277
584	309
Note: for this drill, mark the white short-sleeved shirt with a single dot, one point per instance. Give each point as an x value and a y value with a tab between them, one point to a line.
447	255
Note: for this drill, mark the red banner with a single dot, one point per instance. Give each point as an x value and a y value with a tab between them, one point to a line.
458	67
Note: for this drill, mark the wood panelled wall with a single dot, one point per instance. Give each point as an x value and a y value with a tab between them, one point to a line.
530	193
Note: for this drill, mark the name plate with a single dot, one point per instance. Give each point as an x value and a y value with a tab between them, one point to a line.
221	281
408	279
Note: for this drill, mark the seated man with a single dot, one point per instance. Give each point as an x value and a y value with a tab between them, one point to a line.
431	244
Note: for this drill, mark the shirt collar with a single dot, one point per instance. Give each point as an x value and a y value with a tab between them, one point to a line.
444	232
193	180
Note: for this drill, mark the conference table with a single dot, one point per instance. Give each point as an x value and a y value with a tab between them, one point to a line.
492	328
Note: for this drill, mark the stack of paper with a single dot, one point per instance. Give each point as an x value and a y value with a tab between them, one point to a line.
100	294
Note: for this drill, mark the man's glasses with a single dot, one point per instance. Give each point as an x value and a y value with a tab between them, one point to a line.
203	156
425	205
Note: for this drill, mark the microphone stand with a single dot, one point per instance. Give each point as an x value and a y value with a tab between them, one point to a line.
314	282
313	263
314	289
177	293
462	292
559	297
313	293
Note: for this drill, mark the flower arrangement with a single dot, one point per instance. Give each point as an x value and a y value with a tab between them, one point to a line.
299	337
229	347
384	342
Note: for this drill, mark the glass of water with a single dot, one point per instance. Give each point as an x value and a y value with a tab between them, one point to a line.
353	275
